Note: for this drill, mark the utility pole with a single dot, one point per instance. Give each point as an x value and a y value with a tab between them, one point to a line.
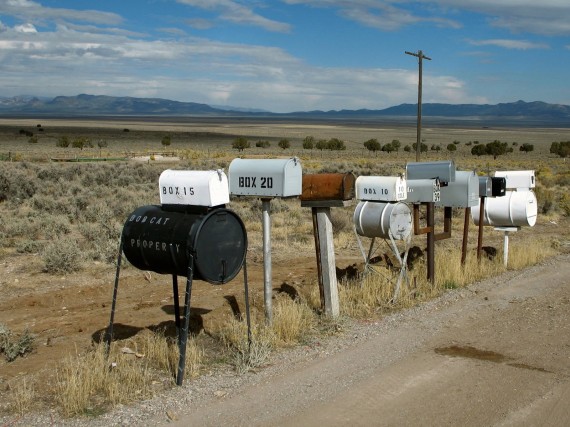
420	55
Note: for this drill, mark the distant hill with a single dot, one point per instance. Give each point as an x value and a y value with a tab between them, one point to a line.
519	112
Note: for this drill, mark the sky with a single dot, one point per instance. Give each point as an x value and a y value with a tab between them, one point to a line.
288	55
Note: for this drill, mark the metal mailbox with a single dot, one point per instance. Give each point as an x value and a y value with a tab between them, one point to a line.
161	241
461	193
485	186
381	188
328	186
518	180
266	177
498	186
515	209
193	188
443	170
379	219
423	190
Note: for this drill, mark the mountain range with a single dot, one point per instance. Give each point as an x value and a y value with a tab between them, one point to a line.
100	105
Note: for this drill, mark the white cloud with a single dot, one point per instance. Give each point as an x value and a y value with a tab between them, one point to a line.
32	11
510	44
237	13
25	28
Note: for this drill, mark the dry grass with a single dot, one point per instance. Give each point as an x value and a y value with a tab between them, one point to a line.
88	383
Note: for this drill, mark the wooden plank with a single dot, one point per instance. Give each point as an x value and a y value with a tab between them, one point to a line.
327	260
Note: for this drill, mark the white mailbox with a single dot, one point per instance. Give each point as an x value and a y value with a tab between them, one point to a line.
443	170
461	193
266	177
423	190
381	188
193	188
518	180
515	209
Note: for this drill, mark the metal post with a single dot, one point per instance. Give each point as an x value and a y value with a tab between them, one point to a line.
420	57
186	325
109	334
246	294
506	248
480	234
267	288
176	301
465	235
431	242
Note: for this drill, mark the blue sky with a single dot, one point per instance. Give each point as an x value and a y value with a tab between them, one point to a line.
288	55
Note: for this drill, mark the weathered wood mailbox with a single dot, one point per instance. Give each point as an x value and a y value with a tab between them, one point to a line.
266	179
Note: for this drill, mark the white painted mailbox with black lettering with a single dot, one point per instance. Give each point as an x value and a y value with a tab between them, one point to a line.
266	177
381	188
190	234
193	188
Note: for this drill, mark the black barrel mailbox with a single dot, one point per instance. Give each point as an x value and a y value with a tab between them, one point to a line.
161	240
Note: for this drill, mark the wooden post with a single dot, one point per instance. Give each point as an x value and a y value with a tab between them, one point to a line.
326	260
480	232
465	235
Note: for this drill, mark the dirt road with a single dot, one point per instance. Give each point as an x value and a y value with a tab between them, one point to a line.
497	353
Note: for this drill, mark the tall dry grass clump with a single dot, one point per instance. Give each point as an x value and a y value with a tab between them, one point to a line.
524	254
362	297
292	320
88	383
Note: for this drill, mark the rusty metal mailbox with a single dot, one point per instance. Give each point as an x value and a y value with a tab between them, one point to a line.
266	178
328	186
381	188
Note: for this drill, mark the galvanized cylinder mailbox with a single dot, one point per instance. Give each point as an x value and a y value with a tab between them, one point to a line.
515	209
161	241
327	186
381	188
378	219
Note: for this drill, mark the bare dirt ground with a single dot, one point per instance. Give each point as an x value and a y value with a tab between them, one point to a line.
496	353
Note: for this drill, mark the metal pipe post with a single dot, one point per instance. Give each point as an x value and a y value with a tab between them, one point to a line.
506	249
267	287
109	334
431	242
246	294
186	325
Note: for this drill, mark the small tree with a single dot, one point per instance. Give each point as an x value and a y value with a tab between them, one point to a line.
451	148
396	144
241	143
335	144
262	144
284	143
372	145
497	148
102	143
388	148
321	144
561	149
478	150
407	148
423	147
308	142
63	141
527	148
166	140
